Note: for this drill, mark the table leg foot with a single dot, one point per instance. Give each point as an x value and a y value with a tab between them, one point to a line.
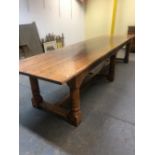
74	118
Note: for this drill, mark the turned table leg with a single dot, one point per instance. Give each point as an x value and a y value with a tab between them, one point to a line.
74	116
36	97
111	73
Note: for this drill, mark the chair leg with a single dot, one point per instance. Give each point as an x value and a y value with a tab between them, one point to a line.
111	74
127	52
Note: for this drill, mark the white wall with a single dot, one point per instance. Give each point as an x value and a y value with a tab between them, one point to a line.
52	17
125	16
99	17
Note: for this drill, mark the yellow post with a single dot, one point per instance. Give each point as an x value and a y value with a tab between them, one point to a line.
113	17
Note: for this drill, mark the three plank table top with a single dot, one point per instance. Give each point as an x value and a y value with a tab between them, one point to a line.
70	65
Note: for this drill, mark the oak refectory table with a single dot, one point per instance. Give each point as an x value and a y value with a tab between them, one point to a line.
71	65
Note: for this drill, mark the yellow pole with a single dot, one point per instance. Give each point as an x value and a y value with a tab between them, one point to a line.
113	17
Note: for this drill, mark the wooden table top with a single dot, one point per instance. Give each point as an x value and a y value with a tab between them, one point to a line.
60	65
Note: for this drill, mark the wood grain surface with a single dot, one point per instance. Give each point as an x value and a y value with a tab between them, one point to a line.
61	65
